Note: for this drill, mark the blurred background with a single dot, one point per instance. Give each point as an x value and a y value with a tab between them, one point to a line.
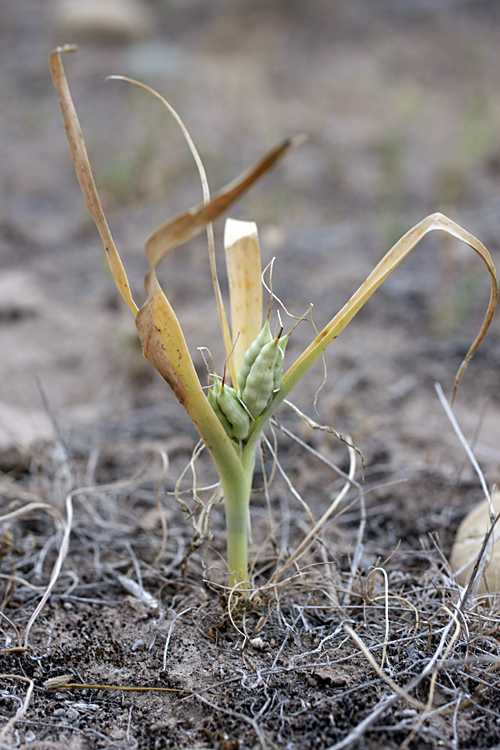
401	103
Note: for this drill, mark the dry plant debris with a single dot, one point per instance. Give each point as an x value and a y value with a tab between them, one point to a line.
347	651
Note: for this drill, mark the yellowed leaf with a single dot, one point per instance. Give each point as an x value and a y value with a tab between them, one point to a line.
394	257
165	347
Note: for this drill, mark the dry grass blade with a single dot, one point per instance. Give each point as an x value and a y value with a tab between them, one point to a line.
397	689
244	272
392	259
84	173
309	538
470	454
190	223
20	713
63	683
161	513
206	199
63	551
66	527
19	646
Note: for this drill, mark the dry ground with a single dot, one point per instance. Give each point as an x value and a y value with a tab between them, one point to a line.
402	104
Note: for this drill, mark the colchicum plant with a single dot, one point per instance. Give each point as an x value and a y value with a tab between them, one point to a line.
230	419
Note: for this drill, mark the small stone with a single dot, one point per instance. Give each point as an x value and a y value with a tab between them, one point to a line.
259	644
124	20
468	543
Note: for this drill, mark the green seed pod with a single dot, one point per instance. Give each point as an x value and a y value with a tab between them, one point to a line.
278	367
260	381
251	353
214	403
235	412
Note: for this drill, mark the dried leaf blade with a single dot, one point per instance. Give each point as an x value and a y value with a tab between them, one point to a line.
244	272
84	173
190	223
391	260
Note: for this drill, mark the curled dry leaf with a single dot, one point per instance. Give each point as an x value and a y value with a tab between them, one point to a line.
389	262
188	224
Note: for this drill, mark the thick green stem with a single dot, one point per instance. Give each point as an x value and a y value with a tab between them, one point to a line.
237	487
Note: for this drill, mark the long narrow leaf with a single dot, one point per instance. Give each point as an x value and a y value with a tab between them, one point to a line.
206	199
84	173
386	266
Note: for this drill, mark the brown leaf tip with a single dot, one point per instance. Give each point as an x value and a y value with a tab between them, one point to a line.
64	48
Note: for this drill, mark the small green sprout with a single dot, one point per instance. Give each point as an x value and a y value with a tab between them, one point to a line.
229	421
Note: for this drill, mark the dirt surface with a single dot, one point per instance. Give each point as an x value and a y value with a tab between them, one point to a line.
402	105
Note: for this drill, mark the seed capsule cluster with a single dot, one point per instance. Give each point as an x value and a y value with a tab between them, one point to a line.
234	411
260	377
